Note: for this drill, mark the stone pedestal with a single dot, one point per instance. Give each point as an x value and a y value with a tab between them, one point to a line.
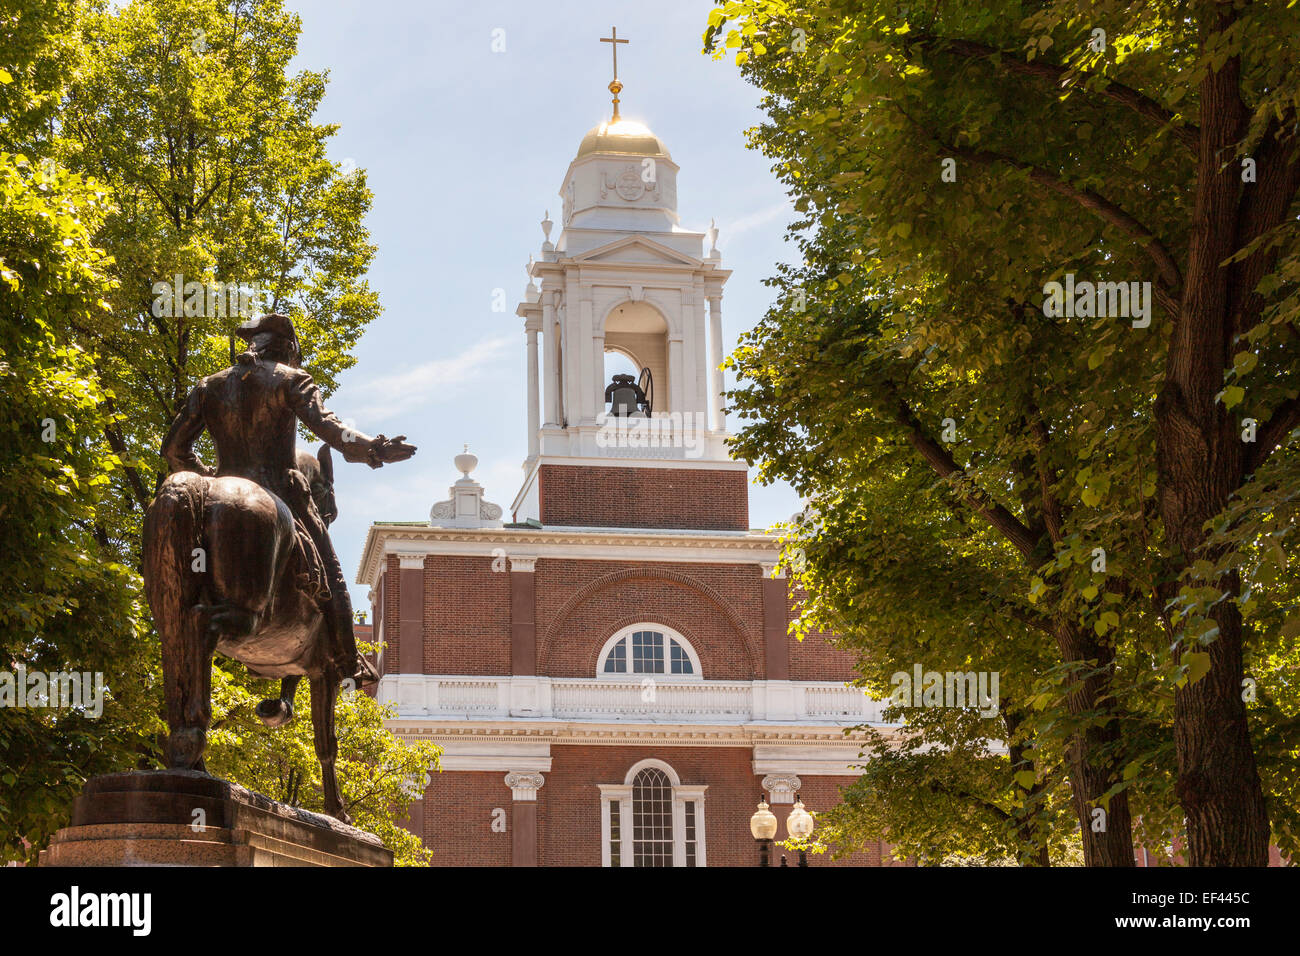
149	818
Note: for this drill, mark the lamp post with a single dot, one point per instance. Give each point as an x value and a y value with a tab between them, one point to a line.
800	824
763	825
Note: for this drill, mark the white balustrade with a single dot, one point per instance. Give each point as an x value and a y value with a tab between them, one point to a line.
645	699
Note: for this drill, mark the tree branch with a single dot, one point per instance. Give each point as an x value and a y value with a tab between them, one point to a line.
1168	289
1273	432
1064	77
1264	205
942	462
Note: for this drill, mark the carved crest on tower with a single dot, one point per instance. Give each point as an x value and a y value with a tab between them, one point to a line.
630	185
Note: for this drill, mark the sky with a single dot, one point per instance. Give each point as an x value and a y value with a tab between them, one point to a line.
465	148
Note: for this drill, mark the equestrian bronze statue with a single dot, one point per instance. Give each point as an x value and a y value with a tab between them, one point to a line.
238	560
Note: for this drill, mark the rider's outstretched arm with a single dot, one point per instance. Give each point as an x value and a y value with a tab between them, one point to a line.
305	399
178	446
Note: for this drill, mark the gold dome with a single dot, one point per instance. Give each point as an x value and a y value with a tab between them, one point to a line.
623	136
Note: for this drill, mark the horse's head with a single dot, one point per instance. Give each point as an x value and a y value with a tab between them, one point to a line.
319	472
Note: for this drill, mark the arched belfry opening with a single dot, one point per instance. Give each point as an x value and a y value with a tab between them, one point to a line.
636	339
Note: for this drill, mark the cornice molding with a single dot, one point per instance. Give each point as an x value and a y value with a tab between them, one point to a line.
413	542
832	738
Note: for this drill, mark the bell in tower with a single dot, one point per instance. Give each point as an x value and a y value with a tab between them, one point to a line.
626	397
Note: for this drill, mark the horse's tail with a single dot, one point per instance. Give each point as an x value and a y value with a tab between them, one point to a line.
175	576
175	556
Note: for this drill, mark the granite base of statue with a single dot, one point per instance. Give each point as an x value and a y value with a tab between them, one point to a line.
187	818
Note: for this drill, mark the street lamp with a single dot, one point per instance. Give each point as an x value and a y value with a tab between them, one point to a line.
800	824
763	826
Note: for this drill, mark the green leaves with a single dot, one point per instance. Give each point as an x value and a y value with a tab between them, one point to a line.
1055	415
378	775
1198	665
130	153
1106	621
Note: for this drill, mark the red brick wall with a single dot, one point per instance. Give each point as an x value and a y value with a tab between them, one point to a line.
816	657
466	615
458	818
717	608
613	497
580	604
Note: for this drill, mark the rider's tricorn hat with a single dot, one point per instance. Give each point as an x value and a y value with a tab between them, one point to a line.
272	322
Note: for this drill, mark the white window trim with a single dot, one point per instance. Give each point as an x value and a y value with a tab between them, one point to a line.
615	798
683	795
620	796
670	635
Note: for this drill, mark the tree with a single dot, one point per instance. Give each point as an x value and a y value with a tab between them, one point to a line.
379	776
187	114
939	154
62	607
980	782
158	139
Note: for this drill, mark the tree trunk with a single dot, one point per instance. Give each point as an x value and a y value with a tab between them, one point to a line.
1200	463
1090	756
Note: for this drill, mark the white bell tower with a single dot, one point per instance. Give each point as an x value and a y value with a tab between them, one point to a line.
624	277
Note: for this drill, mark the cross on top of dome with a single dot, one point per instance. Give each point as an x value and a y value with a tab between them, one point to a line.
615	87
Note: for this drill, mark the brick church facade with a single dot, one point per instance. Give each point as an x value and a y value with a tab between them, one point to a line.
605	662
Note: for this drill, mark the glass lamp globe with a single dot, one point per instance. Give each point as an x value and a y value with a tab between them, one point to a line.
800	822
763	823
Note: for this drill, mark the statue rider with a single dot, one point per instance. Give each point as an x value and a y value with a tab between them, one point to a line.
265	394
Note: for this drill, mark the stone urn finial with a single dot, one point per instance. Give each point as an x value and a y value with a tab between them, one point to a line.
531	293
465	463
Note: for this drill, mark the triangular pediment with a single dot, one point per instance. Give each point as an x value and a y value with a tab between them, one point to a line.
637	249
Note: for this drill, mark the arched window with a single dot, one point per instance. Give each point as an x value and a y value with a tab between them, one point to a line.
648	649
652	819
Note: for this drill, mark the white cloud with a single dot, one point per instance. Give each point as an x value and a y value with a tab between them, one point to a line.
420	386
738	227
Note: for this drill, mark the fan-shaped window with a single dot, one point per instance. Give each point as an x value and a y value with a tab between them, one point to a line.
648	649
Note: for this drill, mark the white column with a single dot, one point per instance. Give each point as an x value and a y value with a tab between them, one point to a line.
692	355
534	400
699	363
572	353
598	356
715	360
586	384
549	353
676	374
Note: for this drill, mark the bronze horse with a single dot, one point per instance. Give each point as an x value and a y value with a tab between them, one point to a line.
246	535
238	561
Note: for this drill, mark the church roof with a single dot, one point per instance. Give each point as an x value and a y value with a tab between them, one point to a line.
622	136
